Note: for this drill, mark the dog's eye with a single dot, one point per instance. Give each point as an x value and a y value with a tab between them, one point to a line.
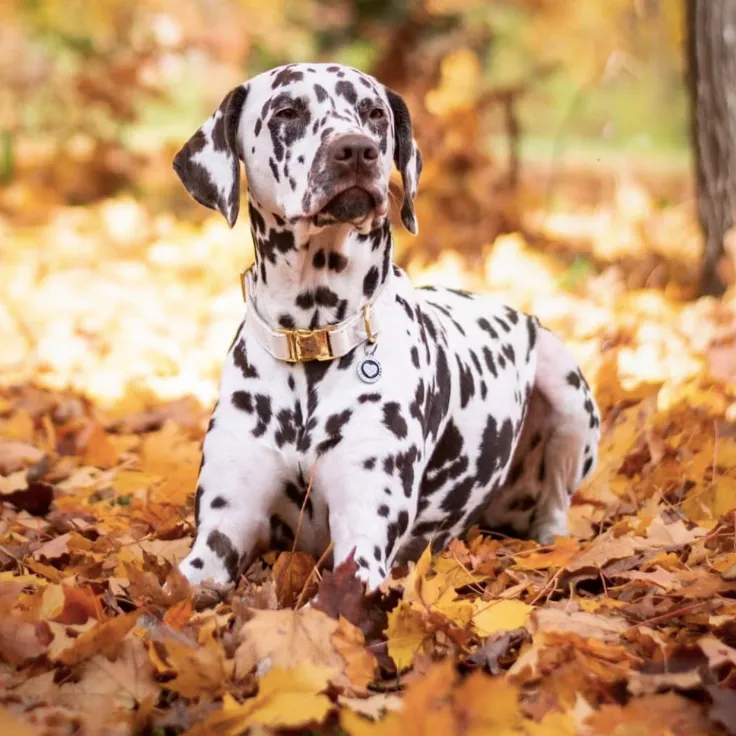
287	113
377	113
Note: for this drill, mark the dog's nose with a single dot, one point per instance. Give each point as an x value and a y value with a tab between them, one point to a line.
351	151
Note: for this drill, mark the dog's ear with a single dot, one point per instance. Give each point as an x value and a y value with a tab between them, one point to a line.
208	163
407	158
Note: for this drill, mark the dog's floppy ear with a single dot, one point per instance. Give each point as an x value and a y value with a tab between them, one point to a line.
407	158
208	163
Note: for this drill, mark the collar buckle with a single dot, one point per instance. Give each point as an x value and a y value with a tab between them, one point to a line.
306	345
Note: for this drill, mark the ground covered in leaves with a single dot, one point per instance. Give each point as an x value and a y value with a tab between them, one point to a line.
113	324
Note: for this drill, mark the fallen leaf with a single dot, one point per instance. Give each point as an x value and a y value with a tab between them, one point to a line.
723	709
497	646
21	641
587	625
199	670
177	617
287	698
16	455
36	498
105	638
287	638
342	593
502	615
291	572
653	715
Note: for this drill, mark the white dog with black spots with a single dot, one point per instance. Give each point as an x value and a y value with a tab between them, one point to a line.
355	409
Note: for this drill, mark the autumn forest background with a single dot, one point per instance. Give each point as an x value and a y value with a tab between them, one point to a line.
559	175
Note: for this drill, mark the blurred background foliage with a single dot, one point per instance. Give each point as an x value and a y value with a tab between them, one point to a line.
554	134
102	81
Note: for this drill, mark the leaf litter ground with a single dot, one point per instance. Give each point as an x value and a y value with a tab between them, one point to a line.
111	344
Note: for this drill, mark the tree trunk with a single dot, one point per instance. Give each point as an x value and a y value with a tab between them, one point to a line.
711	57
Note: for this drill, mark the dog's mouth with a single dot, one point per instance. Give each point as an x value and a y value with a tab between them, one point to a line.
352	204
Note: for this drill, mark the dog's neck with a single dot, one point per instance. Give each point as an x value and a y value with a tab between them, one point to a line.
307	277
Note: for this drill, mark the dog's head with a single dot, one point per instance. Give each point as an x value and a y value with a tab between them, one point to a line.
317	140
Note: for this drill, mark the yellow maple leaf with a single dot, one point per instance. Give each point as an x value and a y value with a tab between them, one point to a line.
287	698
406	633
502	615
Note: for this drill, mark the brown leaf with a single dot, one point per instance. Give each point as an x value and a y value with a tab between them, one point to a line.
124	682
723	710
53	549
654	715
291	572
36	499
496	647
21	641
199	670
601	552
342	593
286	638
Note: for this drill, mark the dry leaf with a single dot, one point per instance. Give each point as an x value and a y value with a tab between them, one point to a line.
287	638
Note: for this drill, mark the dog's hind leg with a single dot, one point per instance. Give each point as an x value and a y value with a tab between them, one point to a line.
557	449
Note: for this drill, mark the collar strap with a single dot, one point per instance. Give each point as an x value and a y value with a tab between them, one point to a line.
321	343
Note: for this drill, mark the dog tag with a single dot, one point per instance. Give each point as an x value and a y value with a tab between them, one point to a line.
369	370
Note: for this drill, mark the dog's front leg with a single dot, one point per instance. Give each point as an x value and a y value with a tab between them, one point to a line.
372	506
236	487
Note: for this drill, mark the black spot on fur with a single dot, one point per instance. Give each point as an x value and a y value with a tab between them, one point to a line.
347	90
495	449
263	411
336	262
587	466
415	356
458	496
369	463
299	498
285	76
240	359
319	260
242	400
333	428
573	379
222	546
197	562
197	503
485	325
370	281
218	502
393	420
372	398
383	510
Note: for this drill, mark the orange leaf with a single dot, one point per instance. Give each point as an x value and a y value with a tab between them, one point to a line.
104	638
179	614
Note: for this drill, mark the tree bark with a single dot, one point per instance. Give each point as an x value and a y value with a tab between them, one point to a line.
711	77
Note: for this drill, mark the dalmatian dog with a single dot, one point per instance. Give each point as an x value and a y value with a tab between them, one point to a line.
357	414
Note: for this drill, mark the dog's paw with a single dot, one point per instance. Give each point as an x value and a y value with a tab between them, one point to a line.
546	529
